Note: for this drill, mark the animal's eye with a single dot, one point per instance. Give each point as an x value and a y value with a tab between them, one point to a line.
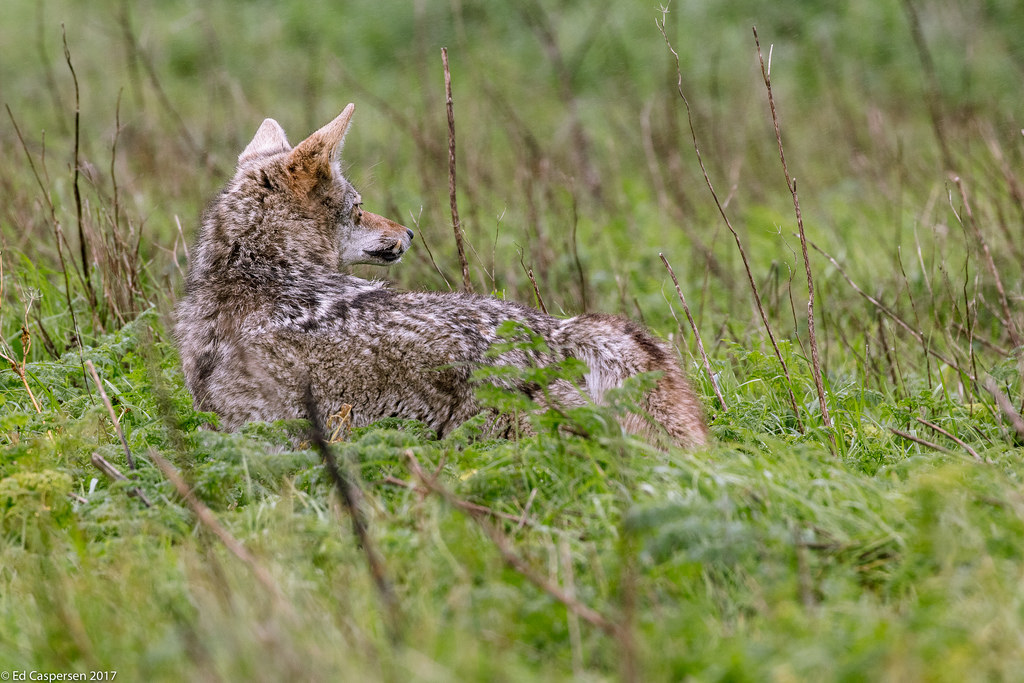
357	213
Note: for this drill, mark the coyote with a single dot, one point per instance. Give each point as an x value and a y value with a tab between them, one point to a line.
268	315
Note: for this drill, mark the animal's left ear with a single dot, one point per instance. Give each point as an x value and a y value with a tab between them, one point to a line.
313	158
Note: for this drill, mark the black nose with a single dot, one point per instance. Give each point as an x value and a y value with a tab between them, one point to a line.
410	233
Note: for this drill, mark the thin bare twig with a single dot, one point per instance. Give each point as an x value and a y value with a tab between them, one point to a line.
456	225
728	224
110	410
209	520
892	315
696	333
536	290
917	317
791	184
48	344
115	190
1011	325
573	245
351	497
83	242
569	579
522	519
940	430
932	95
804	580
426	244
26	344
108	468
526	509
504	546
541	24
911	437
533	281
1005	406
43	25
139	56
58	233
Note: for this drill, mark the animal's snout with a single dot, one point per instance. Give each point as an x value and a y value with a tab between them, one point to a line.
392	239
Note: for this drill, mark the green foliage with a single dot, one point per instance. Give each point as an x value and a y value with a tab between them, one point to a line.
739	555
32	499
787	550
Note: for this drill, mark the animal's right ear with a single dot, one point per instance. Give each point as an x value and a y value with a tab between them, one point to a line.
269	139
317	158
325	144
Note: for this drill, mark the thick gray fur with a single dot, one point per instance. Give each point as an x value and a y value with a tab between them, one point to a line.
267	312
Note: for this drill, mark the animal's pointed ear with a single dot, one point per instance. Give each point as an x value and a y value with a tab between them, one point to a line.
326	143
313	160
269	139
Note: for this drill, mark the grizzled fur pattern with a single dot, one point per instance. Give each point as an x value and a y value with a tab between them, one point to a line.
267	312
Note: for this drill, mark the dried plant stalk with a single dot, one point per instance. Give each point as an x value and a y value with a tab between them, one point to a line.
735	235
696	333
791	184
114	474
351	496
26	345
456	224
110	410
209	520
513	560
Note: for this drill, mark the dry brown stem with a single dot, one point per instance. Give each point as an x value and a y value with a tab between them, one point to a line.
1014	418
940	430
83	242
696	333
456	224
932	94
58	232
728	224
26	344
911	437
581	278
536	290
533	281
107	468
351	496
1011	325
541	24
892	315
115	191
110	410
430	254
569	579
521	520
804	579
138	55
513	560
791	184
209	520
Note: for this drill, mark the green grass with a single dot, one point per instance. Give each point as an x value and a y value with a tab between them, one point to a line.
770	555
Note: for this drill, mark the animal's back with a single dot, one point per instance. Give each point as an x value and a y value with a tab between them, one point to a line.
385	353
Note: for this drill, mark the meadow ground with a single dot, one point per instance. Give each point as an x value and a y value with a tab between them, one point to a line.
879	538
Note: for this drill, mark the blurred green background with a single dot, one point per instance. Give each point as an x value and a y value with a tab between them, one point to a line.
567	120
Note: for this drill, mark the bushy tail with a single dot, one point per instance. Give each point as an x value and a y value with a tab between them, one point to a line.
615	349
